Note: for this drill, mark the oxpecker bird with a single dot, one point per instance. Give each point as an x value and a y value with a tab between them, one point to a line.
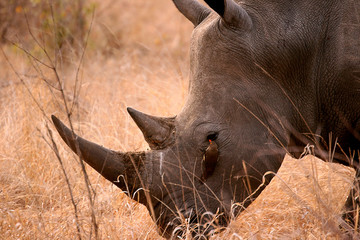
210	159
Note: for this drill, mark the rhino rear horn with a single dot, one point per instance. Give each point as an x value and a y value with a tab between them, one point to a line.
158	132
192	10
232	13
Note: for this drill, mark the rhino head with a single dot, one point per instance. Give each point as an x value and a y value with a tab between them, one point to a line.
237	123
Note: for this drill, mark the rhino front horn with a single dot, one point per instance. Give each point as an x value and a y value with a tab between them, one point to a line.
158	132
125	170
232	13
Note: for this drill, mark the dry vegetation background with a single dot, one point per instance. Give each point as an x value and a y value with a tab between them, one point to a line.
136	55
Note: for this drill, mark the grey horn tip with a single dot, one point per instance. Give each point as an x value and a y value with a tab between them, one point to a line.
61	128
130	110
133	112
56	121
53	118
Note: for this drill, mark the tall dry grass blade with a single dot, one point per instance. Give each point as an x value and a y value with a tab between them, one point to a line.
55	149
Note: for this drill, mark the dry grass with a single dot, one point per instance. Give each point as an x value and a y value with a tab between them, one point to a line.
137	56
304	200
145	69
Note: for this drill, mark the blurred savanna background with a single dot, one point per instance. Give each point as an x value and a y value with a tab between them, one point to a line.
105	55
87	60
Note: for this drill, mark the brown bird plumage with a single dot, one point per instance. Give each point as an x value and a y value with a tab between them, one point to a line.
210	160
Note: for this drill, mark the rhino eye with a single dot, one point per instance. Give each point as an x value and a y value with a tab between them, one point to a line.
212	136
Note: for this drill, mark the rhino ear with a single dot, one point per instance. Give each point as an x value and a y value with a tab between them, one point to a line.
158	132
192	10
232	13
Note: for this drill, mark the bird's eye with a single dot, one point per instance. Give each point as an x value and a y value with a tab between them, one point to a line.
212	136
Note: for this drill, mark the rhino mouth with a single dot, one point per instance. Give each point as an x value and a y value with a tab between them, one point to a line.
201	224
194	221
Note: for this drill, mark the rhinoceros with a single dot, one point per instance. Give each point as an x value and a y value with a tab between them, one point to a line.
266	79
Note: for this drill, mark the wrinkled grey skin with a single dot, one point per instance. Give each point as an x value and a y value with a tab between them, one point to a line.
267	77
